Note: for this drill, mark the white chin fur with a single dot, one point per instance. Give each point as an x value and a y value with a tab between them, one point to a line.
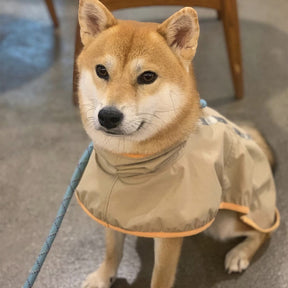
155	111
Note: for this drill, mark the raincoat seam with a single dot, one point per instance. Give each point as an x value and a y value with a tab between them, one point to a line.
108	199
227	161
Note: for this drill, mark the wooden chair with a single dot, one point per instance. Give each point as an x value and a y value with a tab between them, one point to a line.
51	9
227	12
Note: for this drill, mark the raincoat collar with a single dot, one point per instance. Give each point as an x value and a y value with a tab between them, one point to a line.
125	166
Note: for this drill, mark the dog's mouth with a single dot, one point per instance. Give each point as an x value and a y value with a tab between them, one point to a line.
140	126
119	132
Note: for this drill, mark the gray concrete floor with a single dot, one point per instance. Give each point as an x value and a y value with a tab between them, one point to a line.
41	139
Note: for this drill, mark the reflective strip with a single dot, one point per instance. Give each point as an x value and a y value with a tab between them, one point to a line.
243	135
210	120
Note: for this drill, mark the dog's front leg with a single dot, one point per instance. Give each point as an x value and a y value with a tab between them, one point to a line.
106	274
167	251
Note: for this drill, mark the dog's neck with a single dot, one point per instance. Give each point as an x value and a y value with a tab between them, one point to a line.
172	135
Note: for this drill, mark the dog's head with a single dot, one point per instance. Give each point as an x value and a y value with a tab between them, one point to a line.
136	83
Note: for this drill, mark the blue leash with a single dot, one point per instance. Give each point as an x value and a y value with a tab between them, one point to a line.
76	177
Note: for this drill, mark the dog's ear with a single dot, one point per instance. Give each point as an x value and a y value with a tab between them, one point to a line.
94	18
181	32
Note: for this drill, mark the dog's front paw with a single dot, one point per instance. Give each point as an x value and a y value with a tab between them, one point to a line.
236	261
98	279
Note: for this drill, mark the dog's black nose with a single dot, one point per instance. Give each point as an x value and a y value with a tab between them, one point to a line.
110	117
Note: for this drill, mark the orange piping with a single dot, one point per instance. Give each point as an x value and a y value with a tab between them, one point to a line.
136	156
234	207
223	205
249	222
146	234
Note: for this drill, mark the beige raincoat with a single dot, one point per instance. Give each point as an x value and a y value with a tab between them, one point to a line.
179	192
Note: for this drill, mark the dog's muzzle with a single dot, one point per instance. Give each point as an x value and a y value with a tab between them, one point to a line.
110	117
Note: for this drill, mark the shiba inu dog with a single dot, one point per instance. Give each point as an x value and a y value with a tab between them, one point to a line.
140	105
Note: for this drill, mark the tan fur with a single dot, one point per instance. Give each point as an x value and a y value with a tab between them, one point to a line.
106	274
227	225
123	43
169	107
167	252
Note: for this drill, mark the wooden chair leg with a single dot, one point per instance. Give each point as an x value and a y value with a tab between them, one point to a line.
231	29
50	6
78	48
229	16
219	14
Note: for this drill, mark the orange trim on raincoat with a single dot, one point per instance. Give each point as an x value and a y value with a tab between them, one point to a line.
223	205
136	156
146	234
234	207
249	222
245	219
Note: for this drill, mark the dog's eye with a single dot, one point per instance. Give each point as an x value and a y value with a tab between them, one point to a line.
102	72
147	77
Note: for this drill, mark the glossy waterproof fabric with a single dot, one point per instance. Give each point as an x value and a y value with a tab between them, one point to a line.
180	191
